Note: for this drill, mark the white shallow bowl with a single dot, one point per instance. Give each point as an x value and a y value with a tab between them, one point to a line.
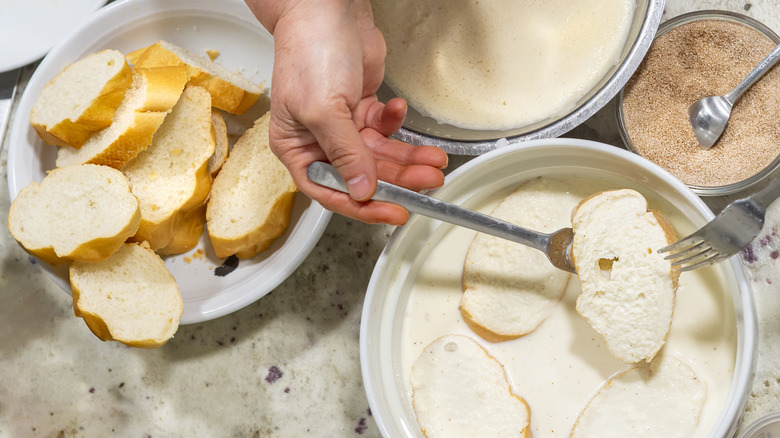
244	46
499	171
29	28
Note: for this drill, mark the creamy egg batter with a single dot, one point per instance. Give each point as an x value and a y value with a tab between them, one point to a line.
559	366
499	64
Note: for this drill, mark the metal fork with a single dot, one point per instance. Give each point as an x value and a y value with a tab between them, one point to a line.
556	246
731	230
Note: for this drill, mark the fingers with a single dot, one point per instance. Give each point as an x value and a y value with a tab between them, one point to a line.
383	118
368	211
346	150
389	149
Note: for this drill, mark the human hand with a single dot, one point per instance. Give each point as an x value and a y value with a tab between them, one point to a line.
329	62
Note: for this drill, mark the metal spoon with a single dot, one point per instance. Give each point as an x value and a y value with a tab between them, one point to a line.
556	246
709	115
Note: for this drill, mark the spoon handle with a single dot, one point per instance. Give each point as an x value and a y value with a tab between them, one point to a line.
754	75
326	175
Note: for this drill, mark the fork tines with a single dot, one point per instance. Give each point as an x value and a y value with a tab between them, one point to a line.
691	253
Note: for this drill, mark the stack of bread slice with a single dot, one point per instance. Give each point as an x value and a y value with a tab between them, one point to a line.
141	139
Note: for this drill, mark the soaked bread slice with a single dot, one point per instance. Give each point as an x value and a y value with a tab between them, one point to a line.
131	297
628	289
171	177
151	96
76	213
81	99
662	399
251	198
460	390
230	91
509	288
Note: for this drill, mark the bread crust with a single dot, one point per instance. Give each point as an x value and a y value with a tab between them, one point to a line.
260	238
226	96
187	232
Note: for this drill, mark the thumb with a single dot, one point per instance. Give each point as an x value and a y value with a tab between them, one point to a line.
348	153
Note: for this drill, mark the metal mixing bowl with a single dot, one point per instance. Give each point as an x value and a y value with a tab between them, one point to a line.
419	129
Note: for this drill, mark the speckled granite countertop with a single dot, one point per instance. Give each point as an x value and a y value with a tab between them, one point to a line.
287	365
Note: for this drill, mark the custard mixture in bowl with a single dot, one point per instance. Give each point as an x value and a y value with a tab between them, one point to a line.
477	72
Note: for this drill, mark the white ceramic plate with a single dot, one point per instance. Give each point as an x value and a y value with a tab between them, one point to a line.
29	28
415	289
229	27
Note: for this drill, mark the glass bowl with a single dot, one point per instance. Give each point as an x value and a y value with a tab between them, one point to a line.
676	22
419	129
767	426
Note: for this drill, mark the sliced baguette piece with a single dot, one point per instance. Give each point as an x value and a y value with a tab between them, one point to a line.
460	390
151	96
131	297
230	91
508	288
171	177
81	99
628	289
251	198
76	213
188	232
661	399
222	147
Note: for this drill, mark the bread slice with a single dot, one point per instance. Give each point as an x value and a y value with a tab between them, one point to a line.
76	213
662	399
171	176
188	232
230	91
460	390
251	198
151	96
222	147
628	289
509	288
81	99
131	297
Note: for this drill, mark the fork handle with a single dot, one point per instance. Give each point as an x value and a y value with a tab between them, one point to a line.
326	175
768	194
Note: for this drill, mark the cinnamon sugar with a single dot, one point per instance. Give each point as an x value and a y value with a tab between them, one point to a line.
692	61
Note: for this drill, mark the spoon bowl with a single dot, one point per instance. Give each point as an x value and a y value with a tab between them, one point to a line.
708	117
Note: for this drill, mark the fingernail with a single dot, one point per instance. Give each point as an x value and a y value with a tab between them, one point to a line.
359	189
